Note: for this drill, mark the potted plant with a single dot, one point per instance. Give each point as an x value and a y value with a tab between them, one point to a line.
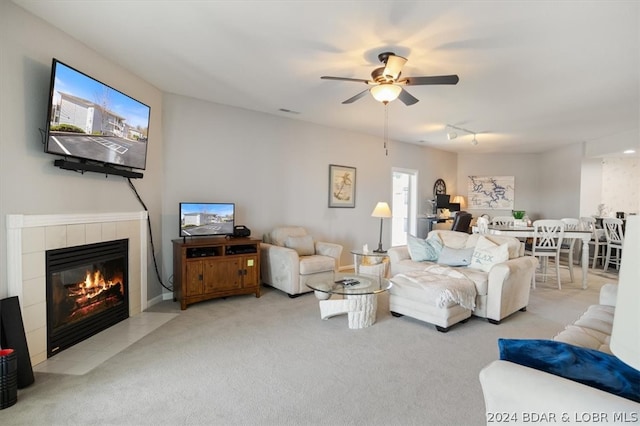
518	215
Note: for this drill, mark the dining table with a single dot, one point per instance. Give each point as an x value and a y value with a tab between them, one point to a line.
528	231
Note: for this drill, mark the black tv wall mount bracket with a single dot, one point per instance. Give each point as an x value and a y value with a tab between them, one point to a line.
82	167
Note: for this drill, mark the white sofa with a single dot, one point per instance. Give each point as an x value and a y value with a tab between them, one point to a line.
290	258
512	390
593	329
500	292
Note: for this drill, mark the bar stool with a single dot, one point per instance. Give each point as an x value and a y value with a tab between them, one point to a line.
568	244
598	240
615	237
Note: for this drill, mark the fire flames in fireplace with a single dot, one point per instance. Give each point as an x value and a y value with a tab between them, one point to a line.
86	291
94	294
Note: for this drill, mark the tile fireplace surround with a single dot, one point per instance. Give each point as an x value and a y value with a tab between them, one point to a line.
30	236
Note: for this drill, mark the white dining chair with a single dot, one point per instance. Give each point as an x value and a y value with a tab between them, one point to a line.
502	220
547	240
598	240
568	244
615	237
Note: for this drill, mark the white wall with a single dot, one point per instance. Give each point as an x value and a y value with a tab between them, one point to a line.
546	185
29	183
560	171
524	168
614	182
276	171
621	185
591	186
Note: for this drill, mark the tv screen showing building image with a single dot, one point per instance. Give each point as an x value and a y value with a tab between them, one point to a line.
206	219
90	120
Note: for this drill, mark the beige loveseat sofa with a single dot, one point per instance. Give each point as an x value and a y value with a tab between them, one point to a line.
515	390
499	292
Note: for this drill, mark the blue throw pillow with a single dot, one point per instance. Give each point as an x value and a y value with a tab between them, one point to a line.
420	249
587	366
455	257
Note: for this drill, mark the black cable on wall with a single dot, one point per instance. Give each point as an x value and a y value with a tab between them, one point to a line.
153	249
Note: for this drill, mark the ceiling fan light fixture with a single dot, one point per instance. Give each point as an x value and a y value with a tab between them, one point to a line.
474	141
452	135
387	85
385	92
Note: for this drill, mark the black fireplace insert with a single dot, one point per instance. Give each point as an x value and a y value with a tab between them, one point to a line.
87	291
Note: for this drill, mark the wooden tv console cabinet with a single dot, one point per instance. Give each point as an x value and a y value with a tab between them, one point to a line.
206	268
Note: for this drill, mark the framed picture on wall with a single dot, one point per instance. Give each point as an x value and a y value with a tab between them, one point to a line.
342	186
491	192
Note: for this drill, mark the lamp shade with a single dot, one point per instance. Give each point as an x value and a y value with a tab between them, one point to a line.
459	199
382	210
385	92
625	336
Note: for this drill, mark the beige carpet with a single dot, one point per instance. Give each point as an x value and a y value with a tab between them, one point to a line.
273	361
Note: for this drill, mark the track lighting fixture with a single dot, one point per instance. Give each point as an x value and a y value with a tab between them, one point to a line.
452	135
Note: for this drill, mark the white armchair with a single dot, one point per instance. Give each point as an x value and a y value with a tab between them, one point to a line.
290	259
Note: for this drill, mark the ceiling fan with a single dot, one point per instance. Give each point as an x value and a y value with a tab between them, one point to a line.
386	84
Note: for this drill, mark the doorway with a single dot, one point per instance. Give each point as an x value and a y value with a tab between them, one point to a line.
404	205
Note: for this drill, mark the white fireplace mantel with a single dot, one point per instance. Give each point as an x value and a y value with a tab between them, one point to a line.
30	236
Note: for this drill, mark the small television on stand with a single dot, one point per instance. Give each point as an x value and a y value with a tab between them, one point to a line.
206	219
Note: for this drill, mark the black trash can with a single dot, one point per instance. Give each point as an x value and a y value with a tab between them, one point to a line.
8	378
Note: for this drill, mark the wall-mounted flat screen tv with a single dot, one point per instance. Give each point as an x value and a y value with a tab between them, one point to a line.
90	120
206	219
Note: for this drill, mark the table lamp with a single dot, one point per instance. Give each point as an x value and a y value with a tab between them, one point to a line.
625	336
382	210
459	199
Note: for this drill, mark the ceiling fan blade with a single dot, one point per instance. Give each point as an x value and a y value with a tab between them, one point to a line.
356	97
358	80
393	66
435	79
407	98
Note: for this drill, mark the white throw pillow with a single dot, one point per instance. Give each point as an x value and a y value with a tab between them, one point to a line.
486	254
303	245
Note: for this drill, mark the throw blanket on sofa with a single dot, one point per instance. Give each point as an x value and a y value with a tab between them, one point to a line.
445	284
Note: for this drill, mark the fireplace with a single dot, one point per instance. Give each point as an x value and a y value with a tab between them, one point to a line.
87	291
